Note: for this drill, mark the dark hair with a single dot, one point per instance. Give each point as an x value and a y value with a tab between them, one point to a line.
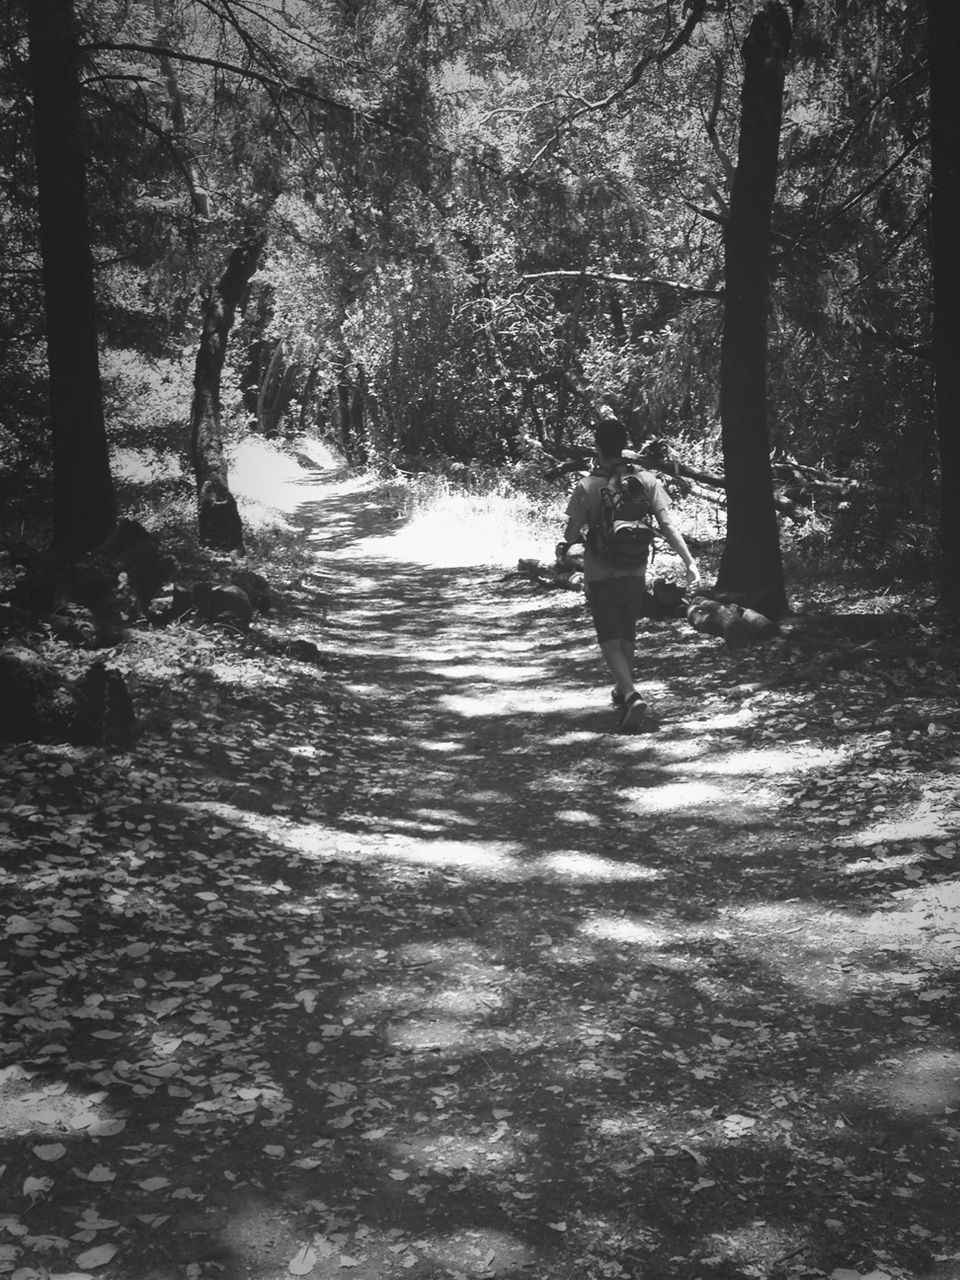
610	438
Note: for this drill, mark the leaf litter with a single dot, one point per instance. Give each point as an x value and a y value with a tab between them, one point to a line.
283	997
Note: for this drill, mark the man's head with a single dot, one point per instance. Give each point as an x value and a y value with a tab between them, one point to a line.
610	438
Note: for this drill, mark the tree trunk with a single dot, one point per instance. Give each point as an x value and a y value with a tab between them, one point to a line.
943	19
569	358
192	172
751	560
308	409
218	519
358	424
83	503
340	404
270	402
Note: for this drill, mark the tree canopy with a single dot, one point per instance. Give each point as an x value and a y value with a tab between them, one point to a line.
482	224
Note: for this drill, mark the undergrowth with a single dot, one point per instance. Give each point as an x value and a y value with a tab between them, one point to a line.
449	515
488	521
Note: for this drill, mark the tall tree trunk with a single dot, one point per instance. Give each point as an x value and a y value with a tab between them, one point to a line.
83	503
218	519
943	21
751	563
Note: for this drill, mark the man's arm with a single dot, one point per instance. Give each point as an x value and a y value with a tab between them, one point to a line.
573	532
576	519
676	540
660	503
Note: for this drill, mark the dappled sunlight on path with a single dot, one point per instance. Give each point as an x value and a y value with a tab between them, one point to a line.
435	975
497	757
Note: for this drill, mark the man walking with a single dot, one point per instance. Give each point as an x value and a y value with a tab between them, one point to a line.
615	590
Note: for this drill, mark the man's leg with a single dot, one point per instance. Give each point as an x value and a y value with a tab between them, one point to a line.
618	655
631	606
606	606
634	708
629	647
616	620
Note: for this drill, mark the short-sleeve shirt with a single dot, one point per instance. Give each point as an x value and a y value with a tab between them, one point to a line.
583	509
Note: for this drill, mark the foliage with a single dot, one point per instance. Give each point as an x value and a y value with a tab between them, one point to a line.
419	171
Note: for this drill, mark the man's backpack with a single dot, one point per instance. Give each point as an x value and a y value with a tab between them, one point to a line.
624	534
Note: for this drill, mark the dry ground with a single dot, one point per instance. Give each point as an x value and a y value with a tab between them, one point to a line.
408	965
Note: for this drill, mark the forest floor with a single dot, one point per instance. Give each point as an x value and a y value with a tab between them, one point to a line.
409	965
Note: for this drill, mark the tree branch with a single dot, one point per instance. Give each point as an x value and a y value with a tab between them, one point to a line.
710	123
683	37
862	194
709	214
271	82
199	198
692	291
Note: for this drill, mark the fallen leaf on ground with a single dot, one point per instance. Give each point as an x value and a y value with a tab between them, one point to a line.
303	1261
50	1151
98	1256
153	1184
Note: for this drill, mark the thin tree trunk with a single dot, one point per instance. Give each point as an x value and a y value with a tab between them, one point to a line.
358	424
218	519
308	413
371	419
196	181
751	561
569	354
341	404
270	405
943	19
84	513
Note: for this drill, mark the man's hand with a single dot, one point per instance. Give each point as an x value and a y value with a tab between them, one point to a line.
693	576
561	550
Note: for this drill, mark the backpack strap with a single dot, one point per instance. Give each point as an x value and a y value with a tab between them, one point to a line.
608	473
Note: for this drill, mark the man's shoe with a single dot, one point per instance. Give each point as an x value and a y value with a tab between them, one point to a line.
633	714
617	697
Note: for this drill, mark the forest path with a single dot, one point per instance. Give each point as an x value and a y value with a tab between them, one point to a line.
638	950
412	967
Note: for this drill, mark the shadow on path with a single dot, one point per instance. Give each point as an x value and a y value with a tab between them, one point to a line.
480	987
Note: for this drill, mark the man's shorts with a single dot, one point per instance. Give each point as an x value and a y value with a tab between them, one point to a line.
615	605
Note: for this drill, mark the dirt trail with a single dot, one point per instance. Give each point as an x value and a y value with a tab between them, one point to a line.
459	982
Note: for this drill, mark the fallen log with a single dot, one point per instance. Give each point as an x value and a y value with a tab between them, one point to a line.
735	624
204	602
564	576
799	486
